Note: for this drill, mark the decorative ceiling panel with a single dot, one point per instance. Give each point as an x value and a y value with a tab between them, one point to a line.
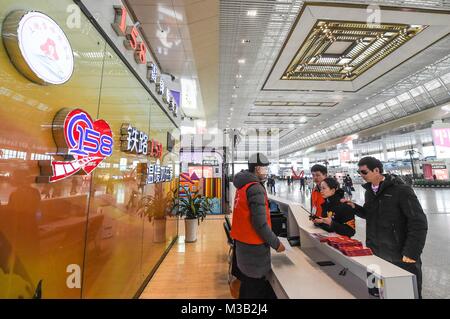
341	51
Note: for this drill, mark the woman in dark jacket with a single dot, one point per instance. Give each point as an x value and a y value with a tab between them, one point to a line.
336	216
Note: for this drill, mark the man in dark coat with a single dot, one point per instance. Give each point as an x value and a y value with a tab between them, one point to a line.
396	226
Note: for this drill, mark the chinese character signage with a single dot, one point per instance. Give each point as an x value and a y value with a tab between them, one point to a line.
133	140
156	149
158	174
137	142
134	42
88	142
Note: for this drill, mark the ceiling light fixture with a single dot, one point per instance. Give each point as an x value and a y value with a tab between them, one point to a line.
241	61
252	13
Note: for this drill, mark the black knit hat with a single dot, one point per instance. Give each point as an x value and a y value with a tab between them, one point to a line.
257	159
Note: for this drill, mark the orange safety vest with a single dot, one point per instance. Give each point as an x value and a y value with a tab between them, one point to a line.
316	201
241	227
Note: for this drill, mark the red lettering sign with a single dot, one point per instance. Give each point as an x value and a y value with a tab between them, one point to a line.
120	20
140	49
156	149
141	53
131	35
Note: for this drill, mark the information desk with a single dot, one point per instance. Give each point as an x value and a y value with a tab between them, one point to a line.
296	274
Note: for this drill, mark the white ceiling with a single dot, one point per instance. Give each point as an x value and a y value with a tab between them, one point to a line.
241	83
184	36
203	41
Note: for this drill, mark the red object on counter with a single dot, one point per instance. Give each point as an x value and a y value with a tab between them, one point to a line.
347	246
356	251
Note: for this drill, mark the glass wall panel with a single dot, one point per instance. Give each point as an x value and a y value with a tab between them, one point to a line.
42	226
85	235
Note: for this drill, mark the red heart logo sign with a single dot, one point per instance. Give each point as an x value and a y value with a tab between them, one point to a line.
87	141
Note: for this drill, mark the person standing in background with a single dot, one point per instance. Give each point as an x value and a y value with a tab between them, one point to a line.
302	183
348	185
273	189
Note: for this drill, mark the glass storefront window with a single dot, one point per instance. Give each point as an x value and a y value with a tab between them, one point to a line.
86	235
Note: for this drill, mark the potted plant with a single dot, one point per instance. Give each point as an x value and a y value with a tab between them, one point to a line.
155	208
193	207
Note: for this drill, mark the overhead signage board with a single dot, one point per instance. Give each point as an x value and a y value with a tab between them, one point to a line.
38	47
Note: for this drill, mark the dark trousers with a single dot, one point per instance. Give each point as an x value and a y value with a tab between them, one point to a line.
255	288
416	269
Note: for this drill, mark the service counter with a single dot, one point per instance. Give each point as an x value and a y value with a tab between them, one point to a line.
296	273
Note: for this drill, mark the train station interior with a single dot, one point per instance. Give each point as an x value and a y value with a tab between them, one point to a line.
225	149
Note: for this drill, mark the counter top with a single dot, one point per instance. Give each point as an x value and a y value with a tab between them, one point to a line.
397	283
300	277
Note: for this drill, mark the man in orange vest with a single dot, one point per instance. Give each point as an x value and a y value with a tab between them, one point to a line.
319	173
252	230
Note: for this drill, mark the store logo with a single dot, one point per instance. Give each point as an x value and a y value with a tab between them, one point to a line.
89	142
38	47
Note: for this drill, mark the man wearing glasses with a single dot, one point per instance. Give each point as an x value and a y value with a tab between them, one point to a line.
396	226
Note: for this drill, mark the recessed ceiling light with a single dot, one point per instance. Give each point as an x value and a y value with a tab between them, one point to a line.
241	61
252	13
238	76
245	41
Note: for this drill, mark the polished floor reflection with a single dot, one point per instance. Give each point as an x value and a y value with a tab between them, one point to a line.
194	270
436	255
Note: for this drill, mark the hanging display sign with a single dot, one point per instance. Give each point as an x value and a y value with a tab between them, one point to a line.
137	142
153	173
134	42
38	47
78	137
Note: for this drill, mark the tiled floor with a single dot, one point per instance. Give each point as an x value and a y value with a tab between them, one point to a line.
436	255
199	270
194	270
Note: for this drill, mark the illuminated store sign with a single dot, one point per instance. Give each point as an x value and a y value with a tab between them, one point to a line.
133	41
158	174
38	47
133	140
88	142
137	142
